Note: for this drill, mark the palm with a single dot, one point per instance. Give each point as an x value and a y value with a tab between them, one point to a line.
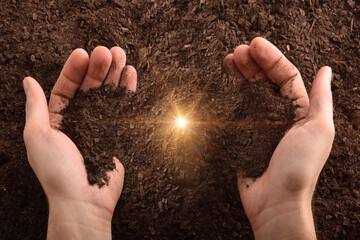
293	169
68	177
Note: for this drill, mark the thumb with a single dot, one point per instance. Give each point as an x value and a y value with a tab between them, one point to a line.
37	113
320	95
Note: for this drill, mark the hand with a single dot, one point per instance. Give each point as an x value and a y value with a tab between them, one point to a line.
75	207
278	204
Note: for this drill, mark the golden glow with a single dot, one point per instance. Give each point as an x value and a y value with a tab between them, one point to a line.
181	122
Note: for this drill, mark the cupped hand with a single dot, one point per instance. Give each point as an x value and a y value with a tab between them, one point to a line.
285	190
52	155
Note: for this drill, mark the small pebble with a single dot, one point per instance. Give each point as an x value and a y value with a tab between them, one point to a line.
350	172
32	58
160	206
142	192
347	142
140	176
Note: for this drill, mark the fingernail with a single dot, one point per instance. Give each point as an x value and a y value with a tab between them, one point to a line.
329	72
25	85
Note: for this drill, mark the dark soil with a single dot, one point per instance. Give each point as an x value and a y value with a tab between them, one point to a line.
239	128
179	183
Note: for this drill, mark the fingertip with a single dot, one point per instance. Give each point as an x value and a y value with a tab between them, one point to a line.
240	51
327	71
129	78
102	50
228	59
118	52
28	77
320	95
36	106
32	85
243	61
256	41
26	82
256	46
264	52
228	63
101	56
328	67
131	69
79	61
231	68
80	53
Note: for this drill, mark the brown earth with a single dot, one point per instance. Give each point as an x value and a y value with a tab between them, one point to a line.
180	184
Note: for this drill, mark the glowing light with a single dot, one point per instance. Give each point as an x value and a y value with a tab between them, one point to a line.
181	122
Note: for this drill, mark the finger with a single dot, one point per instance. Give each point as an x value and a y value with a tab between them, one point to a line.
232	69
280	70
247	66
116	177
117	65
100	61
37	114
67	84
320	95
72	74
129	78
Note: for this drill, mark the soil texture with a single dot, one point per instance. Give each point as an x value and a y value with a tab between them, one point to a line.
179	183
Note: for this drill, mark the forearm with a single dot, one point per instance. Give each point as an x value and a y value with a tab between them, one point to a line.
77	221
291	221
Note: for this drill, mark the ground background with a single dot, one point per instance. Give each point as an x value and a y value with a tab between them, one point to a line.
185	41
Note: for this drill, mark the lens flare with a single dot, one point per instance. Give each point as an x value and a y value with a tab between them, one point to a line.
181	122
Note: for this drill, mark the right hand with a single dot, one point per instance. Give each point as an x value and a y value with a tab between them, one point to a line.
56	160
285	190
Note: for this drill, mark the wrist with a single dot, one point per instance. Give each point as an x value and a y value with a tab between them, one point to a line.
291	220
78	220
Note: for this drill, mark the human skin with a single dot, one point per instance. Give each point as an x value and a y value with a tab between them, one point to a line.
278	204
77	210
